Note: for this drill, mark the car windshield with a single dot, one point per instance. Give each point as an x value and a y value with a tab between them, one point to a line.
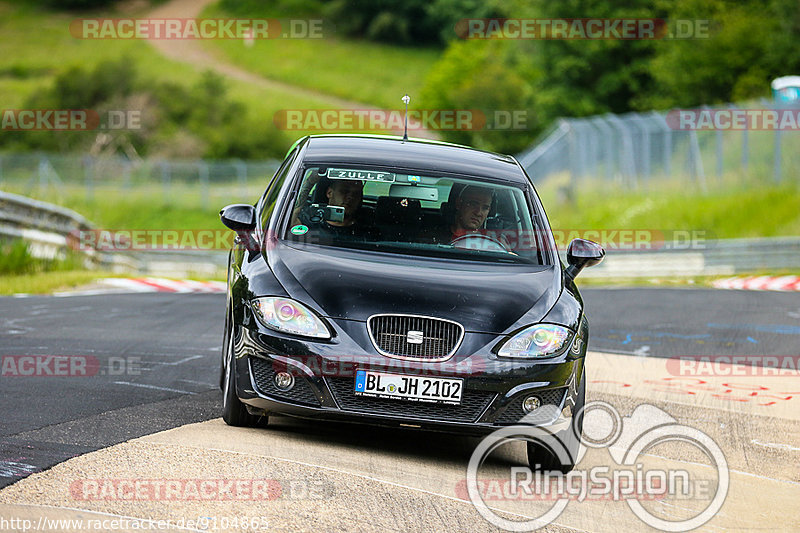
414	214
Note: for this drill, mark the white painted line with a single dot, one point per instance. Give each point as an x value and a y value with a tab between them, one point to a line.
780	282
774	445
759	283
129	284
168	284
142	385
195	382
184	360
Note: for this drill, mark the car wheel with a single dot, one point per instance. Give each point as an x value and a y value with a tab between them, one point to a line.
544	459
234	412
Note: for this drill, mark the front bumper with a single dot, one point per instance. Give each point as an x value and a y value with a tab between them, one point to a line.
493	389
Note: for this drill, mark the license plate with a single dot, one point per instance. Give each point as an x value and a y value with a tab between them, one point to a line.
414	388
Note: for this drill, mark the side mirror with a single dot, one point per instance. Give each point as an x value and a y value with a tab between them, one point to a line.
581	254
239	217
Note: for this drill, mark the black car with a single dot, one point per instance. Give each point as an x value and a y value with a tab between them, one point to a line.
406	283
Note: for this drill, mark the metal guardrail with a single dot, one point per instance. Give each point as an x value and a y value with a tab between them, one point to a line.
719	257
27	212
45	227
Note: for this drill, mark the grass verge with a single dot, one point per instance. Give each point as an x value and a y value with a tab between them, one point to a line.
368	72
48	282
727	211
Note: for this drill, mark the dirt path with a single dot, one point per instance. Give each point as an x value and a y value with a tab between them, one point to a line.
192	52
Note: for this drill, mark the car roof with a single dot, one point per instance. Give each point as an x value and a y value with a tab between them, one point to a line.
417	154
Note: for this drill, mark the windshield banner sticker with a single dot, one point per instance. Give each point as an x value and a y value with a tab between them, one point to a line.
364	175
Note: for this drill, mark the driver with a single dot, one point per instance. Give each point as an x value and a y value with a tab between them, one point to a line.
471	209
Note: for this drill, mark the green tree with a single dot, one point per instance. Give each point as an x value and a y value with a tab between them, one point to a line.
472	75
750	44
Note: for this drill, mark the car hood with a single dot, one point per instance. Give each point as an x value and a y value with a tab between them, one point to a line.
355	285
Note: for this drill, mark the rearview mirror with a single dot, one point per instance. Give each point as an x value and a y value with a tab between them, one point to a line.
413	192
239	217
581	254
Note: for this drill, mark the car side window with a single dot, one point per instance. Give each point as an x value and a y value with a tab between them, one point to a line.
272	193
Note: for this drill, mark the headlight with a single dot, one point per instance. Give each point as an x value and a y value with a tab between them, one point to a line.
289	316
540	340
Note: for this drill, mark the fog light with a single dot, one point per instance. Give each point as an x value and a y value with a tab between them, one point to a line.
531	403
284	380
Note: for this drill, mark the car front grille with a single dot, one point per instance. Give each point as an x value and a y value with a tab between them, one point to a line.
264	372
473	403
551	402
431	339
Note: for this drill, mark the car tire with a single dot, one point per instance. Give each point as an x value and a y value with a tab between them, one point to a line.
543	458
234	412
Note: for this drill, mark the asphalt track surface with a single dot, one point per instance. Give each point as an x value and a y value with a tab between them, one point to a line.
154	361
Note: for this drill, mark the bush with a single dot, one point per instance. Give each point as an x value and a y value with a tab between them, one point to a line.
273	8
407	22
204	120
17	259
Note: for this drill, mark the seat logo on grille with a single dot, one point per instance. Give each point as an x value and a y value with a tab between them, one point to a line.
414	337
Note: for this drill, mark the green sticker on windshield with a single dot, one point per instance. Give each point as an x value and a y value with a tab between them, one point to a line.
299	230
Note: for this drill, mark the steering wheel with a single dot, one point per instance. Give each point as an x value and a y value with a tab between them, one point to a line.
479	241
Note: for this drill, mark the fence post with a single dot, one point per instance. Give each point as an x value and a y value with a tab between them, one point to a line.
126	173
745	144
718	150
627	166
608	134
776	163
41	173
241	174
645	169
696	161
88	174
203	173
165	178
573	155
